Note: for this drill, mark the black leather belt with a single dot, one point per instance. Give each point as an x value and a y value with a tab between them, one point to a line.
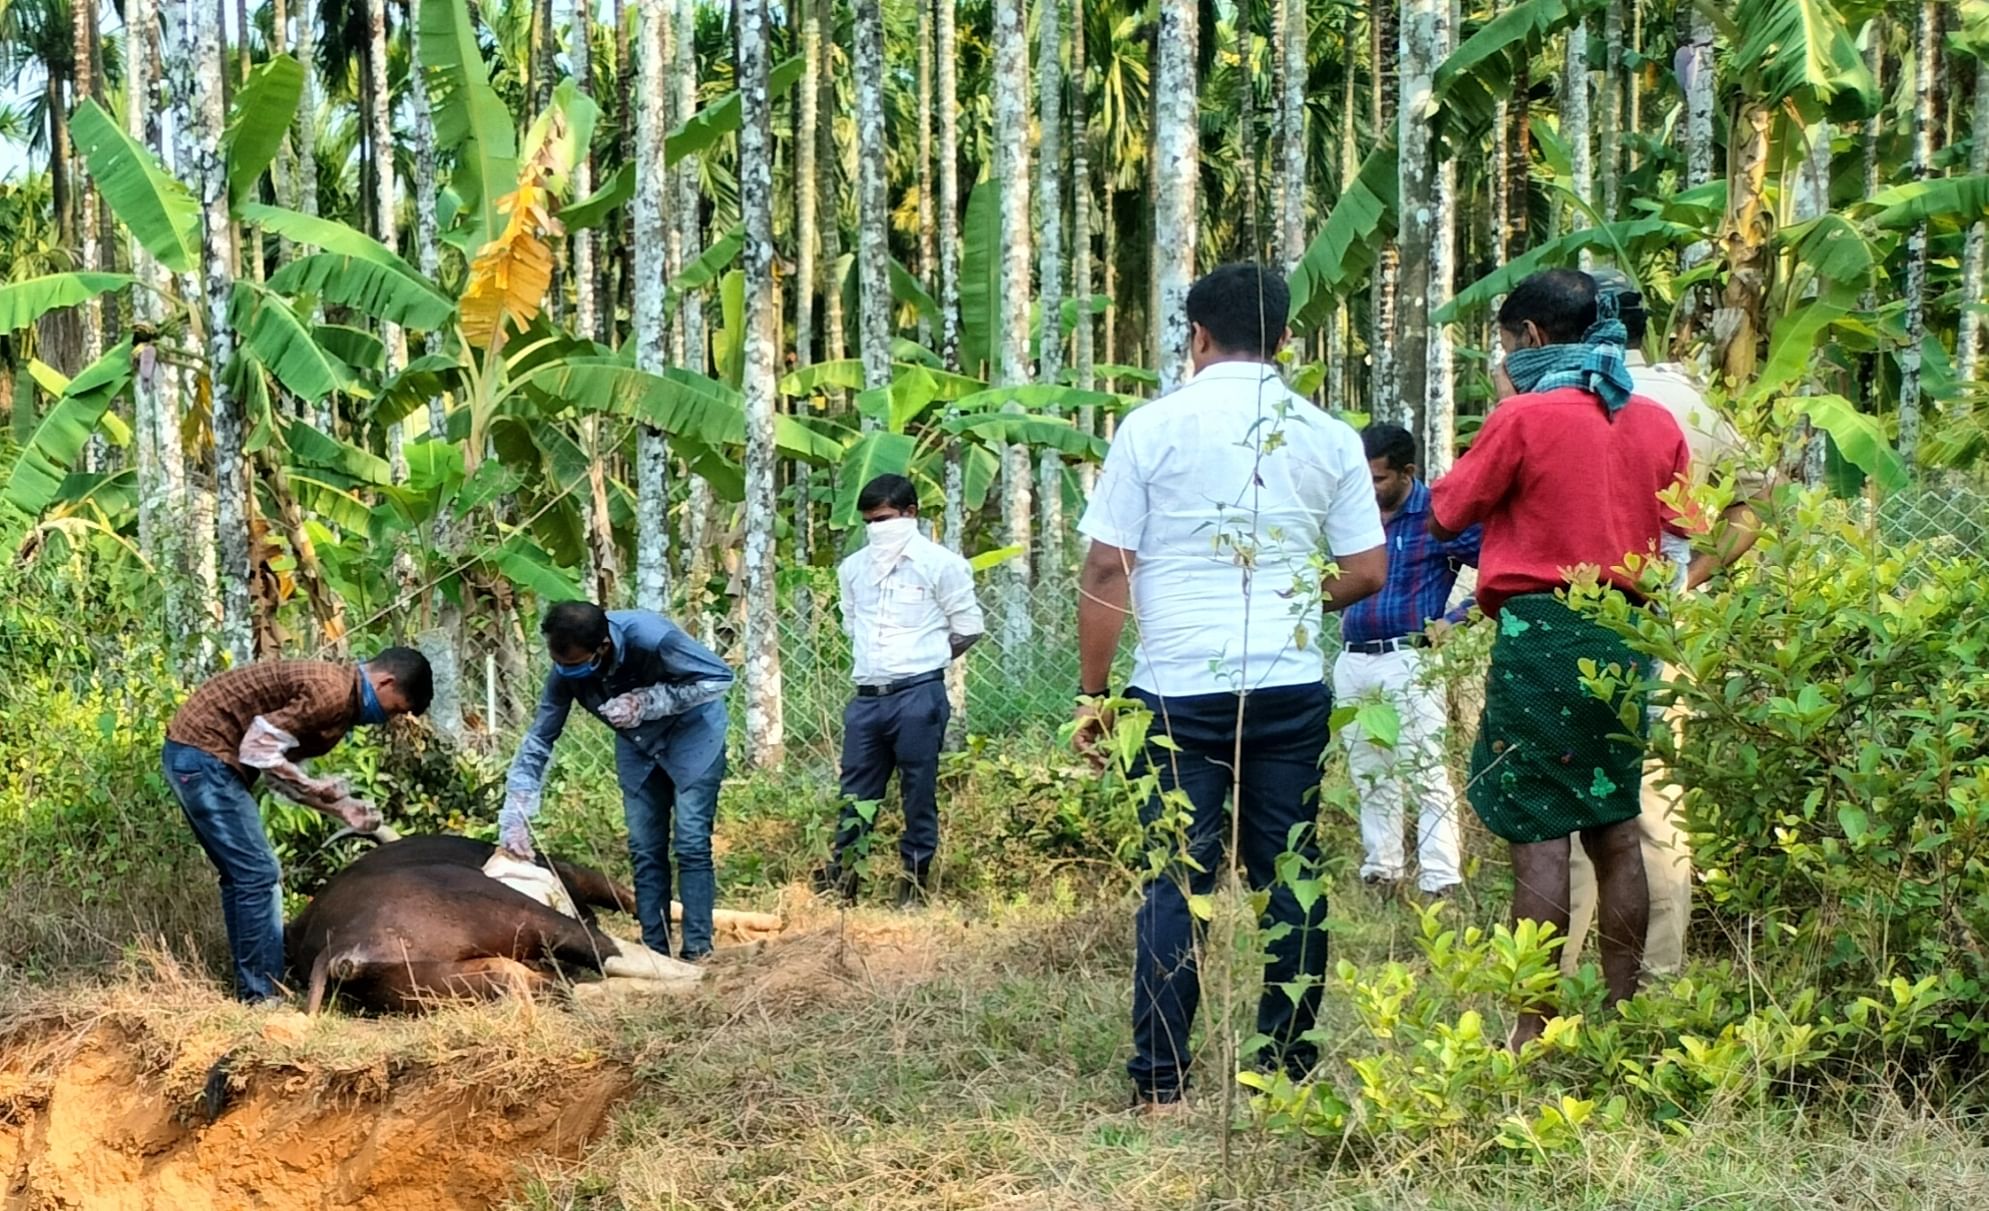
879	691
1381	647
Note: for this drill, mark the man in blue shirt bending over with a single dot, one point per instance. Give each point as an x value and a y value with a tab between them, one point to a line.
663	694
1383	641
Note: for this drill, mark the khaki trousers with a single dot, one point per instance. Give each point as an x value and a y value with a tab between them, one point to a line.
1667	869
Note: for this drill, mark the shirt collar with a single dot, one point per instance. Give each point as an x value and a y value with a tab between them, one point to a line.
1248	372
616	629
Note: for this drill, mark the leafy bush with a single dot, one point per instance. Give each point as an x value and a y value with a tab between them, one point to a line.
1836	759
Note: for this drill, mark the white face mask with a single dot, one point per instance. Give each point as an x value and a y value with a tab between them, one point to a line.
887	542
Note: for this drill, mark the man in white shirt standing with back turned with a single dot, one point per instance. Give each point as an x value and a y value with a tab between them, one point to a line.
909	609
1217	509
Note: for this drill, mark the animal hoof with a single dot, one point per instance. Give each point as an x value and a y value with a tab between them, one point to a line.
641	963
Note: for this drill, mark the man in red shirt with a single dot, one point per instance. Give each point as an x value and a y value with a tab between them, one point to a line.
1564	477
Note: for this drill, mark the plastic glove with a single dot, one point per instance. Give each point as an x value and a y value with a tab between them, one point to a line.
622	712
360	816
514	834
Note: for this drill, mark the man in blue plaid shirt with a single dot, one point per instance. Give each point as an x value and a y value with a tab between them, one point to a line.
1383	642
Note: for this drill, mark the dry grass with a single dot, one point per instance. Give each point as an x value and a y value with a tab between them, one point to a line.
995	1081
961	1058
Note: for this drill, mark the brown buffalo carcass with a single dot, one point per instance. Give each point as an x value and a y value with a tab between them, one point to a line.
416	920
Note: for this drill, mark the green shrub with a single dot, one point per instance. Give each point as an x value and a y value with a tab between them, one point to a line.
1836	760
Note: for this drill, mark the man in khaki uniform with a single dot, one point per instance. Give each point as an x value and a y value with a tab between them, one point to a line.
1715	445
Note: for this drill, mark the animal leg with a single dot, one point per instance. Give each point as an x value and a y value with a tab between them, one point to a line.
636	960
589	886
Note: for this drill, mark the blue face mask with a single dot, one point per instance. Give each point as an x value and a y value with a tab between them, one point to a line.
574	672
371	713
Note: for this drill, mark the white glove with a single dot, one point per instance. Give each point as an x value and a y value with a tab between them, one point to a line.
361	816
622	712
513	833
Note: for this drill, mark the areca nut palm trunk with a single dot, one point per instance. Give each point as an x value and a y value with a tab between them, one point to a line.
1812	201
201	29
1289	31
155	395
1050	274
1176	166
946	57
427	244
1926	42
1384	401
829	169
807	235
1438	435
1084	363
652	544
689	225
1575	127
1339	336
385	207
304	131
1011	169
873	252
764	725
928	231
947	222
1609	116
1696	76
687	243
83	29
1417	215
1968	341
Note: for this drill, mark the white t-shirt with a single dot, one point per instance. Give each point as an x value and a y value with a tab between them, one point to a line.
1225	490
900	626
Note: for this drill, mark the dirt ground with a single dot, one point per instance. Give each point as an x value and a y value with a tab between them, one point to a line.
109	1096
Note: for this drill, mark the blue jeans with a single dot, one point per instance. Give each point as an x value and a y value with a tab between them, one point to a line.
1284	737
225	818
659	813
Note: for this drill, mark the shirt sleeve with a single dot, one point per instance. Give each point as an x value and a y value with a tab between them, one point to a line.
955	586
844	605
1119	504
1353	516
1464	548
1479	480
528	767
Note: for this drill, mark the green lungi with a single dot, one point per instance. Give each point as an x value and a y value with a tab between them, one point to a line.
1552	758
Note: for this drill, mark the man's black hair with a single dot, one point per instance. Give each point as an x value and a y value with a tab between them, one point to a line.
1629	302
1561	302
1392	442
575	626
410	671
894	491
1243	306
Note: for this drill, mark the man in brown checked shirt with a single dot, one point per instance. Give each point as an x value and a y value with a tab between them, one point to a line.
262	720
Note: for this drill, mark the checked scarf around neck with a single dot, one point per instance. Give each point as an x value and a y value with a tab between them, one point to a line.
1596	364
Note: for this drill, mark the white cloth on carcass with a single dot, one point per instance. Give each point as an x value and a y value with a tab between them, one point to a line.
531	879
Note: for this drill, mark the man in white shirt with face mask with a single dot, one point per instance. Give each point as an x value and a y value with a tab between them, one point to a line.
908	607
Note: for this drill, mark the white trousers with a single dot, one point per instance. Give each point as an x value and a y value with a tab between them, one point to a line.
1412	769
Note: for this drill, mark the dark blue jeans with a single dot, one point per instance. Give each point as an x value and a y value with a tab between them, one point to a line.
225	818
1284	736
903	732
662	815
